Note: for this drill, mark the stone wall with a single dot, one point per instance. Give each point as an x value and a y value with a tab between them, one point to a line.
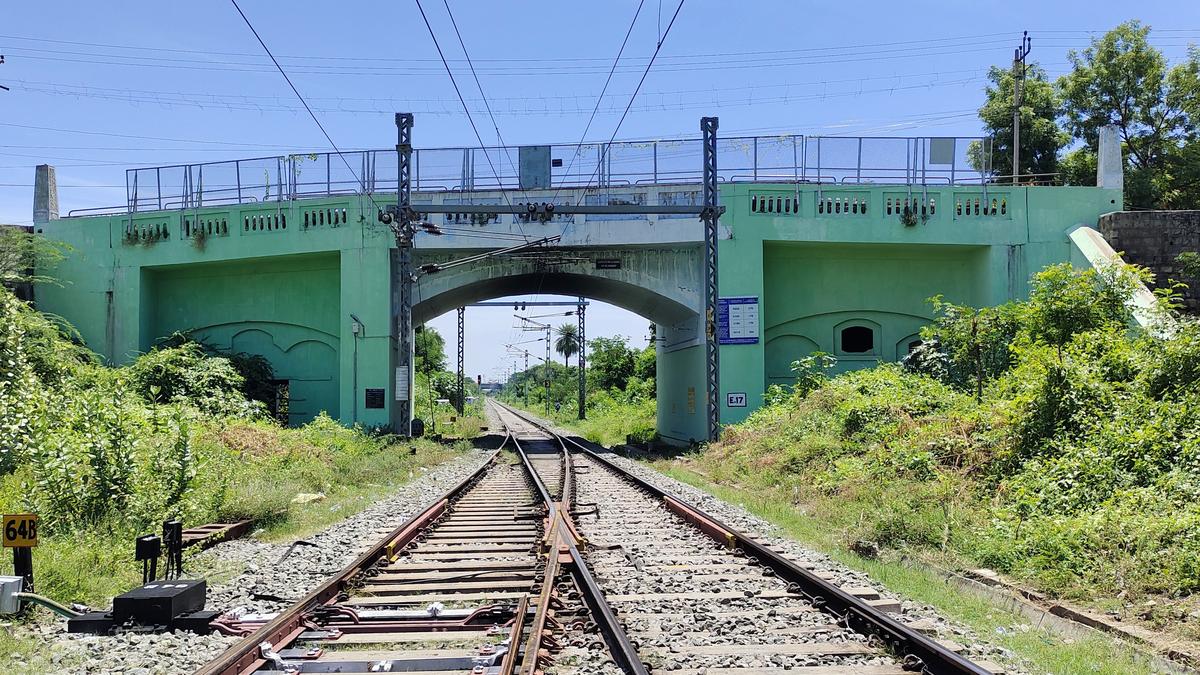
1154	239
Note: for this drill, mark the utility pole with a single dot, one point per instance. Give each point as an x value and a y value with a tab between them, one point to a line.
404	231
1019	55
537	325
582	360
462	311
711	214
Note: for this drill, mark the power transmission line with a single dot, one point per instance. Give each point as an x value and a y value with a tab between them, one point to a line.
466	110
708	63
299	96
479	86
599	98
965	40
636	89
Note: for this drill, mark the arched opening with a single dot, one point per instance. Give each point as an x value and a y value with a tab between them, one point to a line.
433	298
671	328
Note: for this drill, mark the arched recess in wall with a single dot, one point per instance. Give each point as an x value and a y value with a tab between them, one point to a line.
781	351
858	339
907	344
303	358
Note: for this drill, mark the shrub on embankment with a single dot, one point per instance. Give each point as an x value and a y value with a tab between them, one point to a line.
1044	438
103	454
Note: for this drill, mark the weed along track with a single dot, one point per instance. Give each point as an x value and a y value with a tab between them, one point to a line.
551	559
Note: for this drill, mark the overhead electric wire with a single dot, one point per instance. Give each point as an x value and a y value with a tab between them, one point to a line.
600	98
636	89
719	57
301	97
482	95
471	120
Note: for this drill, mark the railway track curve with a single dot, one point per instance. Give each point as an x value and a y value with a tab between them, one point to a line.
551	558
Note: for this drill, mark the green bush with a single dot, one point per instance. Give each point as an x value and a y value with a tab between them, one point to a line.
1078	466
185	374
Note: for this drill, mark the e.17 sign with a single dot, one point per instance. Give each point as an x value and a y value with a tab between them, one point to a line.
735	399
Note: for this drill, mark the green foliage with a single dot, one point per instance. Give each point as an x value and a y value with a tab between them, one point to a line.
185	374
566	341
1121	79
812	371
1078	468
104	454
1189	261
26	257
965	346
429	347
610	363
21	393
1064	302
1041	136
1078	167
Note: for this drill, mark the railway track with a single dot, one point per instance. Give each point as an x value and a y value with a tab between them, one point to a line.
492	579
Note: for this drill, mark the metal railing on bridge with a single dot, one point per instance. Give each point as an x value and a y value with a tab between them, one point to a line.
926	160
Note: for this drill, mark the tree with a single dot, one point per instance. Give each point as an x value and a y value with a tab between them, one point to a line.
611	361
1123	81
1041	136
567	342
430	350
25	257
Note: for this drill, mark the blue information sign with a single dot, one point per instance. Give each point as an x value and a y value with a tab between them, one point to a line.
737	320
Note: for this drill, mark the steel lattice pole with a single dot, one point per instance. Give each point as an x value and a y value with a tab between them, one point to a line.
711	216
461	334
404	242
582	361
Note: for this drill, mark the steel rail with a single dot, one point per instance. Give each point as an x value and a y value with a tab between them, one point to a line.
246	656
620	647
914	647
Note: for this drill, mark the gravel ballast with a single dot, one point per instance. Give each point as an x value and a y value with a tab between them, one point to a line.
252	576
737	517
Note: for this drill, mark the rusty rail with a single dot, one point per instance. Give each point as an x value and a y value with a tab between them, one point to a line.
917	650
246	656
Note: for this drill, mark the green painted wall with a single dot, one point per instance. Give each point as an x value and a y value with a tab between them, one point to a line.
281	280
822	258
284	308
285	279
681	397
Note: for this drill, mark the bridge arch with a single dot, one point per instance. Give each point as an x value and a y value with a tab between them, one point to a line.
663	286
645	302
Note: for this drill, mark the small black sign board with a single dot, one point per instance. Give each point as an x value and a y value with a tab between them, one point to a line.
374	398
608	263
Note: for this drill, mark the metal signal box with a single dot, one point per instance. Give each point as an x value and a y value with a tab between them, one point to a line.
159	602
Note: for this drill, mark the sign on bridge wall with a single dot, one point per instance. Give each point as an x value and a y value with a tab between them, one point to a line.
737	320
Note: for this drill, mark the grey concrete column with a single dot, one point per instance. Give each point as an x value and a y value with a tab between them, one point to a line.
1110	169
45	194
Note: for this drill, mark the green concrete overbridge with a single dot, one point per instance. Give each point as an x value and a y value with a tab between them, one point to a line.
828	244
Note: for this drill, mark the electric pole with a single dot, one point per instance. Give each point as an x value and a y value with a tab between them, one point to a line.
404	231
581	360
1019	55
462	311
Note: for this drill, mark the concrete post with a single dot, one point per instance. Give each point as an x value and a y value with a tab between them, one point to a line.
1110	168
45	194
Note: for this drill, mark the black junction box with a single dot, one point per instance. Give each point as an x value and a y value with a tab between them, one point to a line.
159	602
96	623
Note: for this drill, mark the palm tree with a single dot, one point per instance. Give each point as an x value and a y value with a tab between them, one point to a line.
567	343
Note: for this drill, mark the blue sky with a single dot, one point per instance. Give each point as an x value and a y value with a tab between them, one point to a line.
99	87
